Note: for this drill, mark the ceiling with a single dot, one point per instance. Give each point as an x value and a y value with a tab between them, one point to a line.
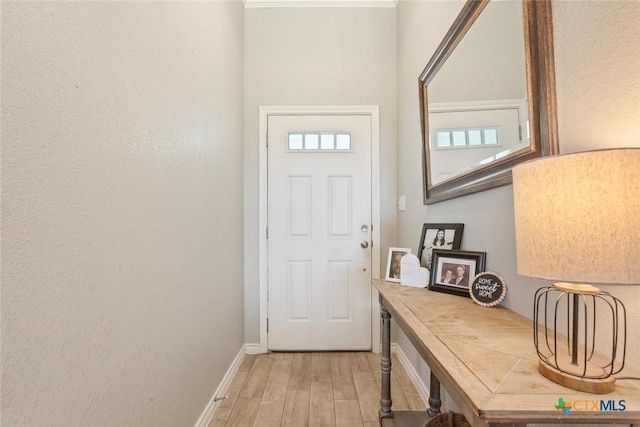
319	3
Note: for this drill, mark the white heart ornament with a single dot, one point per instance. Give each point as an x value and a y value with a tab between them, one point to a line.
411	274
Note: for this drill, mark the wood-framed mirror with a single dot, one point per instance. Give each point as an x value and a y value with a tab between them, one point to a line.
487	97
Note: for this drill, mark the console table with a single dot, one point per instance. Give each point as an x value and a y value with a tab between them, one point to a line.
485	359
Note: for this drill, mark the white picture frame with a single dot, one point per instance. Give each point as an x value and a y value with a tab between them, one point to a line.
392	272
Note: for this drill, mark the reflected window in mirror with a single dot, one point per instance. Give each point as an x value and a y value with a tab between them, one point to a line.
466	138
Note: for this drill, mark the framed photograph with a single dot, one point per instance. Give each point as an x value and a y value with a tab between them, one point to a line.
393	263
452	271
438	236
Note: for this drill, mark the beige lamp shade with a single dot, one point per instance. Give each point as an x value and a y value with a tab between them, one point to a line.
577	217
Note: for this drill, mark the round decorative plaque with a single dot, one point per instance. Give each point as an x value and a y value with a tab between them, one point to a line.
488	289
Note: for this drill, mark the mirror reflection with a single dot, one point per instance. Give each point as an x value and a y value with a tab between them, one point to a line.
478	99
487	97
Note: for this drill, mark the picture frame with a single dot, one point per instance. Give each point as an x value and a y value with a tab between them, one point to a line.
454	270
392	273
452	238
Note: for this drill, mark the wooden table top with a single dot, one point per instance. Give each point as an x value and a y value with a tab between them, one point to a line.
485	359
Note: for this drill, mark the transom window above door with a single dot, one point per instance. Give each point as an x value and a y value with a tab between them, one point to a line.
319	141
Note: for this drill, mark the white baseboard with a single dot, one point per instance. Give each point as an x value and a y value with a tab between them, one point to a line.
207	415
253	348
420	386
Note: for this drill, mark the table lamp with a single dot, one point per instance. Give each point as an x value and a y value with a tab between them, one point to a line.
577	221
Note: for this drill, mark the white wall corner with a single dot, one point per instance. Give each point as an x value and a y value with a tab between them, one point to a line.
222	389
253	348
422	388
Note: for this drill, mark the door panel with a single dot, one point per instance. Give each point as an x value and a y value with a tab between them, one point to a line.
319	277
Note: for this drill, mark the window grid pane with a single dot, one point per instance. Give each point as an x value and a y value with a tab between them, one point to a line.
459	138
444	139
475	137
343	141
327	141
491	136
295	141
311	141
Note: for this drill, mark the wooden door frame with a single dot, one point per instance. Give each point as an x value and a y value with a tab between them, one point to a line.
346	110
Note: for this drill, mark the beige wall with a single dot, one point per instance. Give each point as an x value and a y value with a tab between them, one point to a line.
597	48
121	210
316	56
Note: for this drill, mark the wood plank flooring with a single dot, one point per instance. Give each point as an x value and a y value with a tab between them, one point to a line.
312	389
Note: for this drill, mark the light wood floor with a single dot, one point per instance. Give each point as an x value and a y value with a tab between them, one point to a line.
312	389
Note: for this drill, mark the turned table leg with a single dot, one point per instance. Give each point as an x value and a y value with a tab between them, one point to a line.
385	394
434	396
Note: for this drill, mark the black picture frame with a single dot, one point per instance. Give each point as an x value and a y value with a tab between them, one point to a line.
471	263
429	241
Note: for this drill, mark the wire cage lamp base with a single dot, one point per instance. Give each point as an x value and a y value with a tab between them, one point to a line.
580	336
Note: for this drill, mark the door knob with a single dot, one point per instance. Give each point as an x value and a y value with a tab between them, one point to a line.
364	245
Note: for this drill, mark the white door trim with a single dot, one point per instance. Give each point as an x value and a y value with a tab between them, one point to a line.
373	112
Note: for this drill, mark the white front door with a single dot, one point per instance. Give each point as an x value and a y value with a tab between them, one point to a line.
319	232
